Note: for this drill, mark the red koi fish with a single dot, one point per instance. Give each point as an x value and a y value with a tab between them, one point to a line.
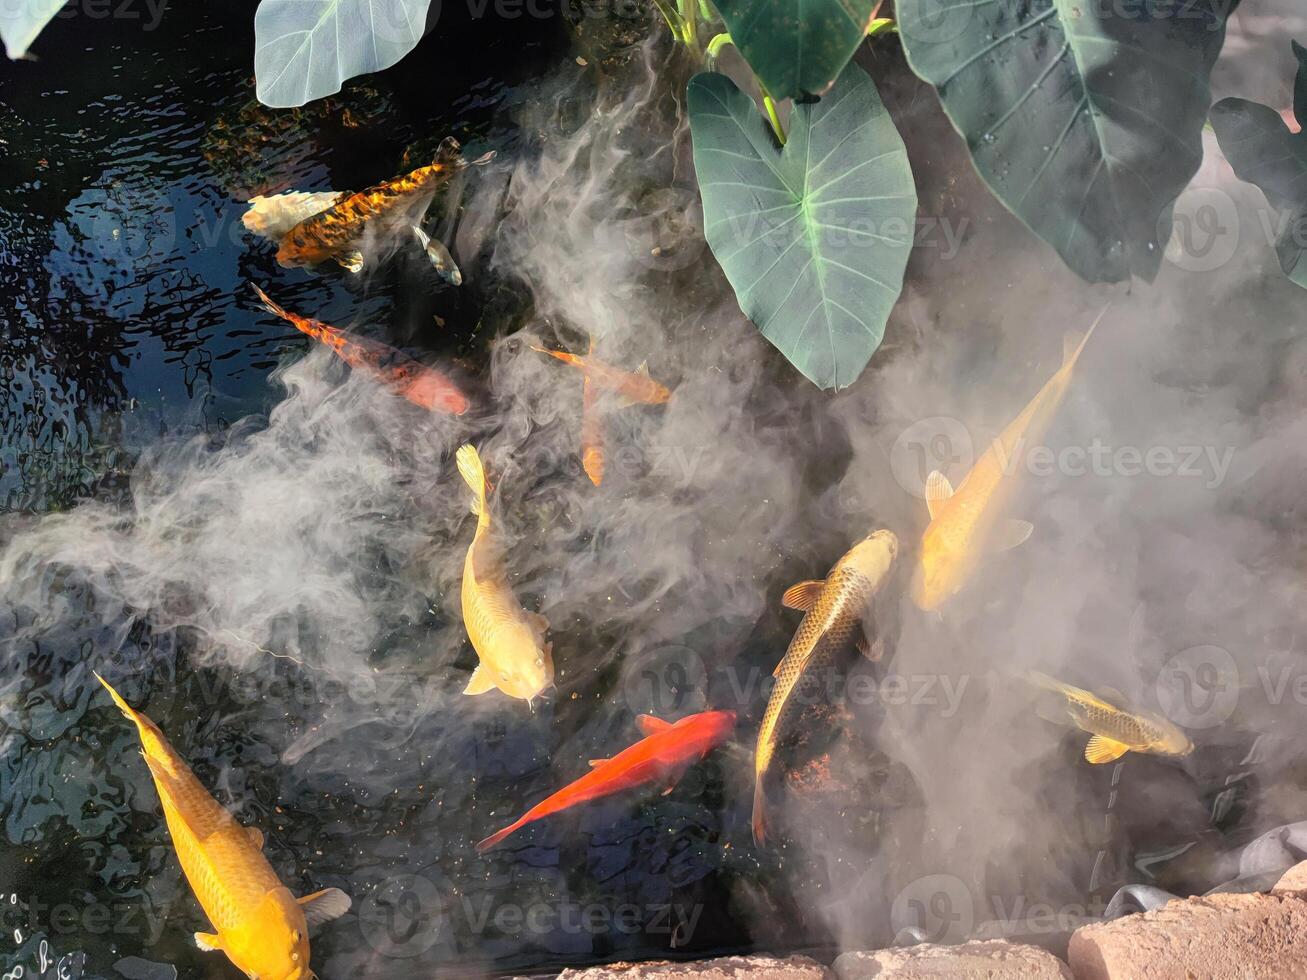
665	752
423	386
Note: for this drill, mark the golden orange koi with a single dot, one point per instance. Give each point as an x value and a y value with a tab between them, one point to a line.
261	926
636	387
509	641
1114	730
833	612
423	386
965	524
335	233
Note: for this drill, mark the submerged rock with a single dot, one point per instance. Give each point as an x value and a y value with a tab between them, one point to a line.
983	960
1225	935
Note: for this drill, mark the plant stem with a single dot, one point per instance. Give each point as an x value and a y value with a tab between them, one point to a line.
689	10
716	44
673	19
770	105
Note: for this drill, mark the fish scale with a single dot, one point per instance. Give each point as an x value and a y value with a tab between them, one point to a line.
827	629
326	234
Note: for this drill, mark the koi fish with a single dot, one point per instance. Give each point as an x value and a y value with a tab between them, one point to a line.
439	256
1115	731
509	641
833	613
423	386
594	457
635	387
662	756
260	925
965	524
335	232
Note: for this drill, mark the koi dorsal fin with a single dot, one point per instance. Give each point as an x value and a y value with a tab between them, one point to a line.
649	725
803	595
595	763
448	153
938	490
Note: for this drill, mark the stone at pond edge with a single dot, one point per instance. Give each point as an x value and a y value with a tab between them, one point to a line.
1292	881
722	968
984	960
1249	936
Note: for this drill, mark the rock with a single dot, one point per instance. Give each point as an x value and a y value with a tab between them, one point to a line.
722	968
982	960
1249	936
1293	880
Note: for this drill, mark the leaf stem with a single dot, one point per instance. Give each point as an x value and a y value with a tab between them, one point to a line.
674	22
770	105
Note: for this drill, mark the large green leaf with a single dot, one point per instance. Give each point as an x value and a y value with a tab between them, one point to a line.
305	49
1085	118
22	20
814	238
1262	151
797	47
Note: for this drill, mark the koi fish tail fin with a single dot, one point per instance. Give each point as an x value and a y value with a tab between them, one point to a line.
1073	342
449	154
759	814
474	475
269	305
497	837
152	741
128	711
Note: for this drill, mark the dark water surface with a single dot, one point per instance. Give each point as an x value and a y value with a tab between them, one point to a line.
127	320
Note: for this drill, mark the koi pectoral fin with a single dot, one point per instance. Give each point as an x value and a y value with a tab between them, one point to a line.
803	595
1101	749
1010	534
480	682
873	651
938	490
323	906
209	942
256	837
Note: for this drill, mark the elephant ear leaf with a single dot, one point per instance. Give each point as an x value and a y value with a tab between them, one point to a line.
797	48
20	22
1085	120
306	49
813	237
1262	151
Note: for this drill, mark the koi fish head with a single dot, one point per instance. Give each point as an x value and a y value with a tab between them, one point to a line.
935	578
528	668
275	944
874	555
1170	740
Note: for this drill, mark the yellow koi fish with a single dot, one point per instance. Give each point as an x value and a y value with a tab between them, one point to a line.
965	524
833	609
261	926
509	641
1115	731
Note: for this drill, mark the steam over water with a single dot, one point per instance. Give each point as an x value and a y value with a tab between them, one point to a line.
283	599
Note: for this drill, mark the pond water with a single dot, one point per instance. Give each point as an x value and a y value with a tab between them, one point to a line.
262	550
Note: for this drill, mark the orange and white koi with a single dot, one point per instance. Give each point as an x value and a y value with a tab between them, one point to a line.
661	757
633	386
261	926
423	386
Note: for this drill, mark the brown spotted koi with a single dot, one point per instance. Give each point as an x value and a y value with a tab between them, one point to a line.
834	609
335	234
423	386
